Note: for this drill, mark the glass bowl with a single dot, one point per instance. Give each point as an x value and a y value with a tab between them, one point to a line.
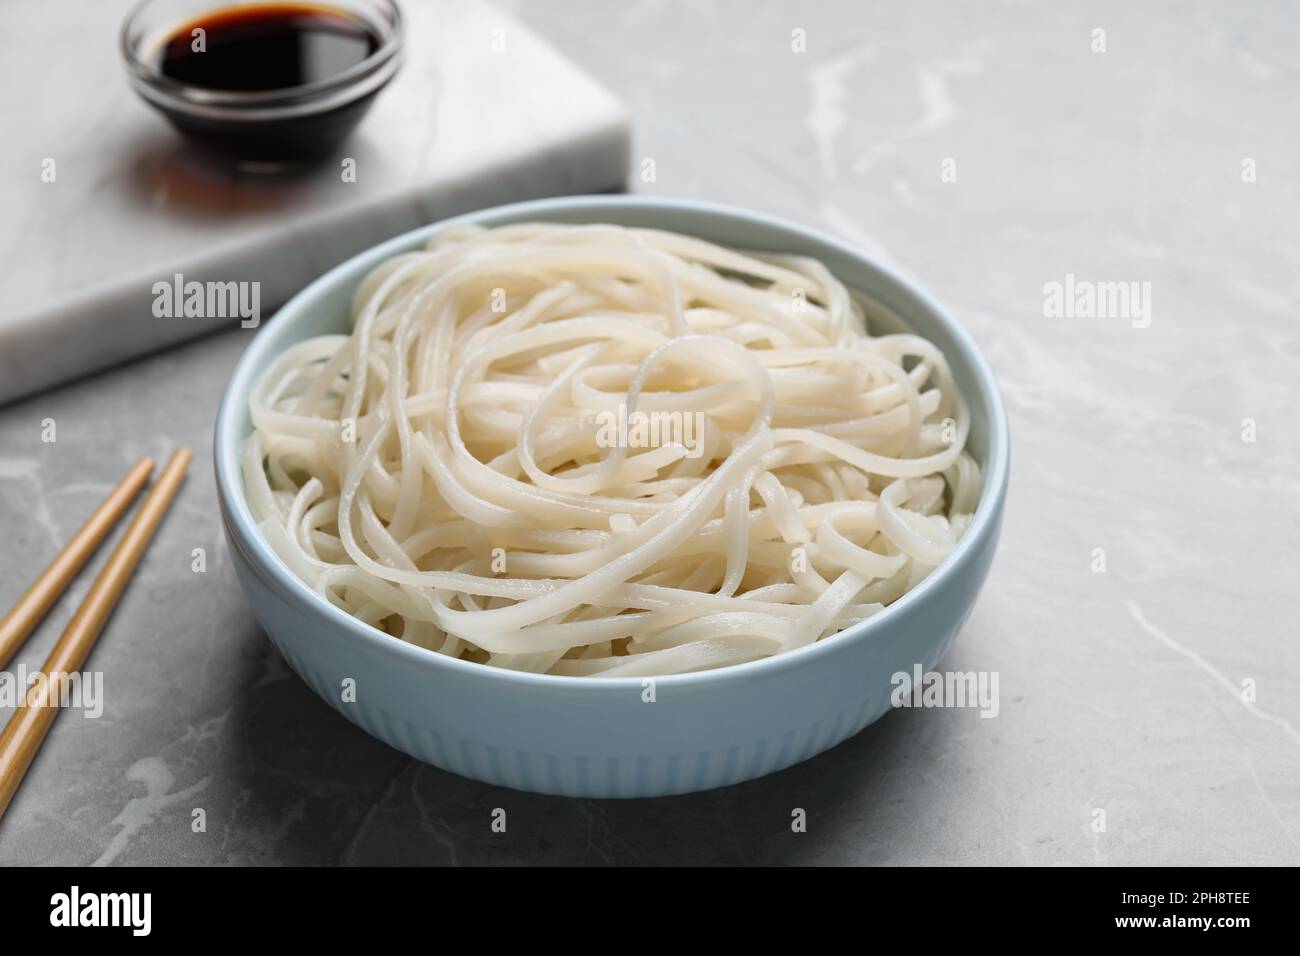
287	125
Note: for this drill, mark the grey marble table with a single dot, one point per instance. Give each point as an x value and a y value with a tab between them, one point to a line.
1142	611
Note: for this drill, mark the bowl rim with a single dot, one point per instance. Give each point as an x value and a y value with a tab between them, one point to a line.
243	531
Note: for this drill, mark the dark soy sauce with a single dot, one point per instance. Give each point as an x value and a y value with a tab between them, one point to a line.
267	47
287	51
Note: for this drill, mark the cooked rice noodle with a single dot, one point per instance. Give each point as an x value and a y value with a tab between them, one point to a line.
601	451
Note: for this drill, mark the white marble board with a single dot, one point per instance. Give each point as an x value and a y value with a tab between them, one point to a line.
482	112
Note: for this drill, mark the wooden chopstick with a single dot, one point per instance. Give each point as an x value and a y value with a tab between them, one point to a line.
38	708
31	607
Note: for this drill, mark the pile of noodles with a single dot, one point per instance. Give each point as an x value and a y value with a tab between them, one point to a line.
485	466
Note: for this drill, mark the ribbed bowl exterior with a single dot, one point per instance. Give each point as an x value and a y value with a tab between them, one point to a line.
624	737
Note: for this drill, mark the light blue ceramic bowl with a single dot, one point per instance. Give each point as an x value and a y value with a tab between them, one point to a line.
601	738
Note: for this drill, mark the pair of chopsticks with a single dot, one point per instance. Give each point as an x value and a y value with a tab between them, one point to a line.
38	707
